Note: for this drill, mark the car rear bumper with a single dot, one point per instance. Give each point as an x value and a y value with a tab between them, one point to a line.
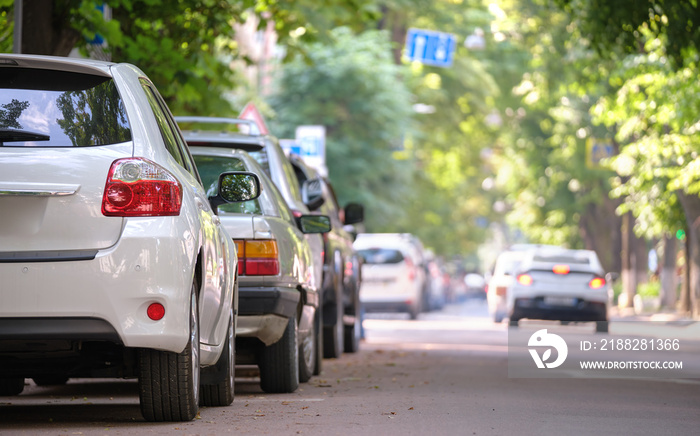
389	306
114	289
536	308
268	301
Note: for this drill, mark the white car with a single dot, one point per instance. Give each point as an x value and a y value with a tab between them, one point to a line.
113	262
500	282
278	309
560	284
392	278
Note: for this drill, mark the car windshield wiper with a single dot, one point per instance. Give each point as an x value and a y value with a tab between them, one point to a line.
18	135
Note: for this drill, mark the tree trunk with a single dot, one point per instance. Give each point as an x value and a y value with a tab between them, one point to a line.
691	208
628	274
668	273
46	27
600	229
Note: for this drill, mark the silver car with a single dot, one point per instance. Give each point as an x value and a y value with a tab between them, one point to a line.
112	261
559	284
265	149
278	296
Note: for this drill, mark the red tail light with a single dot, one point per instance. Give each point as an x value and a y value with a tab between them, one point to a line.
258	258
411	269
139	187
525	279
596	283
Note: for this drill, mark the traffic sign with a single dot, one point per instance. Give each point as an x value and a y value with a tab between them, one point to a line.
311	143
250	112
430	47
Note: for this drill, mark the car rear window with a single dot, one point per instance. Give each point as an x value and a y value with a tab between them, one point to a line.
564	259
377	256
210	168
47	108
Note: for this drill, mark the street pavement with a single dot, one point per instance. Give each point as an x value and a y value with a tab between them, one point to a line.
444	374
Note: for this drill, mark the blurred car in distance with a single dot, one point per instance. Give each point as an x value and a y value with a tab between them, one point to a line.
501	280
113	261
392	280
265	149
476	286
341	270
277	298
560	284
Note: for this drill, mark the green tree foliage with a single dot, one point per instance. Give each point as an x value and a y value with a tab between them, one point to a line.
353	88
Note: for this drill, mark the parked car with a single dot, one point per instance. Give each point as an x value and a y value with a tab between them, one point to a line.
476	285
502	278
342	318
278	298
265	149
392	280
113	260
560	284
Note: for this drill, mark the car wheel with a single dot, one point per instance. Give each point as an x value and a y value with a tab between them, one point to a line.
11	386
220	391
318	320
601	326
353	332
169	382
279	363
50	380
307	354
333	335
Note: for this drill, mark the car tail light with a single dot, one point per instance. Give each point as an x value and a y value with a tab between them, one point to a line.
525	279
561	269
139	187
596	283
411	269
258	257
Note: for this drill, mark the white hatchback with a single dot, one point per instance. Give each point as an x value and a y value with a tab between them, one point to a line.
392	278
112	261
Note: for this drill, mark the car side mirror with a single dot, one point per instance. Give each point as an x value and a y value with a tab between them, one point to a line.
314	223
234	187
354	213
312	193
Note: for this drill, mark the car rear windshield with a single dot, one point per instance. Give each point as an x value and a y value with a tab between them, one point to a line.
380	255
47	108
564	259
210	168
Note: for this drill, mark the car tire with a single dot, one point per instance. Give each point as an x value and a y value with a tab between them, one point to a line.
50	380
307	354
353	332
601	326
279	362
11	386
318	320
334	335
169	382
221	391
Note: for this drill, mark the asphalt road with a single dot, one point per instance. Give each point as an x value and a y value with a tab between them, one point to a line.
444	374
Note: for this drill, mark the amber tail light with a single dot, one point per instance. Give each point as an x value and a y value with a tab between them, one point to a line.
258	257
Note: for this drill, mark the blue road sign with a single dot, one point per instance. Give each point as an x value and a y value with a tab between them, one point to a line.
430	47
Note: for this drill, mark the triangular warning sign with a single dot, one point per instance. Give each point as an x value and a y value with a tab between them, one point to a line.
251	112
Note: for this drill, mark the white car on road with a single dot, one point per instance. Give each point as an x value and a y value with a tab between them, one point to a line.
112	261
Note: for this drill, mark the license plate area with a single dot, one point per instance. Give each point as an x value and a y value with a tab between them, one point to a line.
560	301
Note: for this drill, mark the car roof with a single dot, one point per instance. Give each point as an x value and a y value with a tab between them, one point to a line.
75	65
222	138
